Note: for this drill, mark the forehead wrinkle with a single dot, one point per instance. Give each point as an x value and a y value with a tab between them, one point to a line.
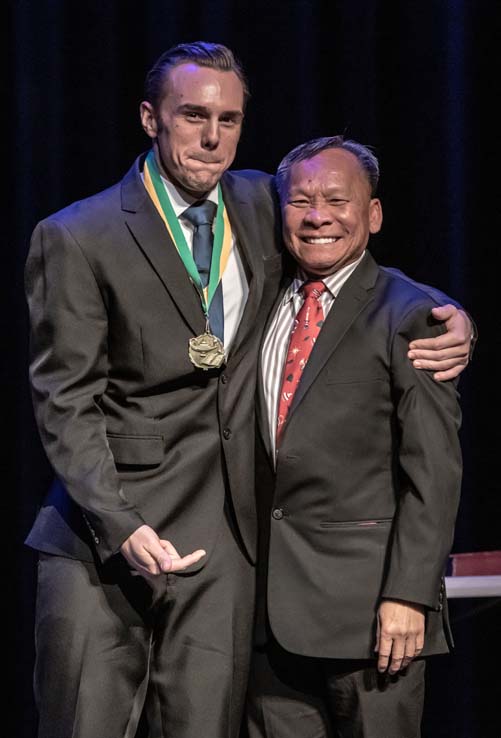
206	84
313	171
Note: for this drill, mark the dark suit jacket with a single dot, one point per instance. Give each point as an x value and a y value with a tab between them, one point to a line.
366	489
135	433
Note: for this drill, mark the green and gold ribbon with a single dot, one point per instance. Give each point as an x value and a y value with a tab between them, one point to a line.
222	232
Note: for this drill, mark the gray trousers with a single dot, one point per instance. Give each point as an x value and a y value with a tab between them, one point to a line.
108	644
293	696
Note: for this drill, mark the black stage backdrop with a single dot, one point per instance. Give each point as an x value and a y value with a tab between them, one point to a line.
417	80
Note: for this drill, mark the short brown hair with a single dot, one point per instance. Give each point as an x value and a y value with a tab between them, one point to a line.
202	53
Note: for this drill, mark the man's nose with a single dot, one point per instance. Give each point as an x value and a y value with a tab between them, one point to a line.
210	134
318	215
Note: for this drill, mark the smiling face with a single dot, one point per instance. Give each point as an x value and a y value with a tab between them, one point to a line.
328	212
196	125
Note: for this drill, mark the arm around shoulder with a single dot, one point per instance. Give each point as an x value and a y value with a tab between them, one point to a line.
447	355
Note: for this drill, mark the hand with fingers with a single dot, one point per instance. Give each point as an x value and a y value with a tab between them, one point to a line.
446	355
400	634
151	556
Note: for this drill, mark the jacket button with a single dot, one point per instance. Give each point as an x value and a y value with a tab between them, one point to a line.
226	433
278	513
97	540
224	378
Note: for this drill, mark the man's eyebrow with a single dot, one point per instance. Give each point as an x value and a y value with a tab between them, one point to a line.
335	191
301	189
193	108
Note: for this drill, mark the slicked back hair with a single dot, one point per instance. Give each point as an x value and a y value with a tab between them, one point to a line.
308	150
202	53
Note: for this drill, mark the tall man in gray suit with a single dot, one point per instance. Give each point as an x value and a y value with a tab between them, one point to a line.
143	376
359	471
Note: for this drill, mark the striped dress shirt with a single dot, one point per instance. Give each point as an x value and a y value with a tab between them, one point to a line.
276	341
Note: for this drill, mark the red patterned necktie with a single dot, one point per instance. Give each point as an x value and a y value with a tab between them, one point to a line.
307	325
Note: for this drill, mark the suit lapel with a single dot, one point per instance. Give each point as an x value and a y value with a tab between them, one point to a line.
152	237
244	224
355	294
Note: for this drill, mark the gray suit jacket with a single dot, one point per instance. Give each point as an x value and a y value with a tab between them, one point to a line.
134	432
364	498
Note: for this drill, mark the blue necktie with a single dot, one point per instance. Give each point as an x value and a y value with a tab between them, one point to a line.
201	214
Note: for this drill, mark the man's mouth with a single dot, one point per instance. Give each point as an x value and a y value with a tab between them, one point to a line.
319	240
206	161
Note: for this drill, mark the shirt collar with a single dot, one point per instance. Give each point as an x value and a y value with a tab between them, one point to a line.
333	282
181	200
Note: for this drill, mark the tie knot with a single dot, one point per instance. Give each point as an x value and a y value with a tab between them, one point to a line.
200	213
313	289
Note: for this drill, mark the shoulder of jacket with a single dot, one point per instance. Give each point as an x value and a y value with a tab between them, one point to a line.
404	288
86	207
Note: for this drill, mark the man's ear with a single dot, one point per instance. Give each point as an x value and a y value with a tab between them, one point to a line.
375	215
148	119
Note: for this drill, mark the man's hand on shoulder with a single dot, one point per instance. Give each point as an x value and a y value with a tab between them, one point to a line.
400	634
151	556
446	355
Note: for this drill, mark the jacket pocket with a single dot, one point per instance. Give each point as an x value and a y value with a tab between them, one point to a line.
133	450
368	524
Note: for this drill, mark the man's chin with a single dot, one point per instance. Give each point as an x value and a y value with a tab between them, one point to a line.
199	185
204	185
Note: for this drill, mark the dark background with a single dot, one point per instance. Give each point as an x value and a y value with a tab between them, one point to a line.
419	81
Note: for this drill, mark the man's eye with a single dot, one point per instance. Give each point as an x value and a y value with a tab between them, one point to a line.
298	203
192	115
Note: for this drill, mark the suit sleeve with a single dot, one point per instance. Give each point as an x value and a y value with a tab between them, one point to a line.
440	298
429	469
68	373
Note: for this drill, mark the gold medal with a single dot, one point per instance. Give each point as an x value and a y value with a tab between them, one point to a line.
206	351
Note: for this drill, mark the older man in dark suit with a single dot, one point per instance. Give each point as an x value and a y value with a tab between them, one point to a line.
359	471
146	305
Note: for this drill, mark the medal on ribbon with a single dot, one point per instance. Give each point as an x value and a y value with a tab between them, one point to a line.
205	351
